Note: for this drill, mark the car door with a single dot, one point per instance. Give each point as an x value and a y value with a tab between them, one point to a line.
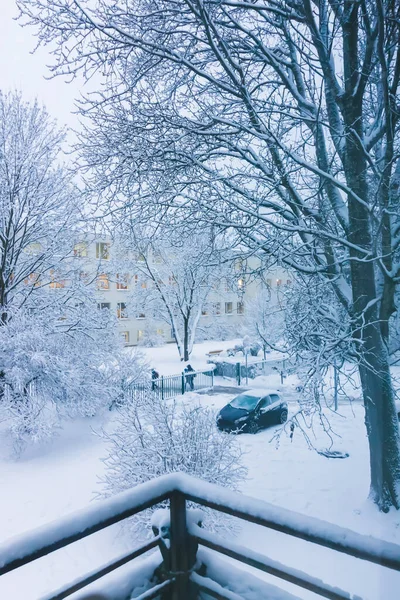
264	418
274	407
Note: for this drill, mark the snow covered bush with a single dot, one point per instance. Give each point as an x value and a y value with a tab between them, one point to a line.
154	437
51	370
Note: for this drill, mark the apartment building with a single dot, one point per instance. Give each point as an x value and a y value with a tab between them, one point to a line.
226	302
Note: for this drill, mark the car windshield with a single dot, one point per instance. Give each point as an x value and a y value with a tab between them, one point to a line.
245	402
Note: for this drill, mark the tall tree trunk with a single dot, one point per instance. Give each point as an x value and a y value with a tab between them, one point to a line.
186	339
381	421
380	414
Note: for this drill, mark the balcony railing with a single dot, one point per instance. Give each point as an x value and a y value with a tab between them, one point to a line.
179	554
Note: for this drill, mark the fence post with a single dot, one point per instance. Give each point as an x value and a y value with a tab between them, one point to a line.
162	387
183	383
238	373
336	385
179	548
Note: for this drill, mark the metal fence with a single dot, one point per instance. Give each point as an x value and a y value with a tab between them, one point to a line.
169	386
244	370
179	542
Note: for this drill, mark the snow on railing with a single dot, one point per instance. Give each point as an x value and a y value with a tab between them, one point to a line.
179	550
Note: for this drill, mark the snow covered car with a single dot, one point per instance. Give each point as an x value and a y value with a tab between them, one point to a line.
251	411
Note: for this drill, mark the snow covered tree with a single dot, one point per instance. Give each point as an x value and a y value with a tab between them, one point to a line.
279	120
175	273
55	342
154	437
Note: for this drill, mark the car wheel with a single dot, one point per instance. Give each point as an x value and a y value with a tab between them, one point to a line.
283	416
253	427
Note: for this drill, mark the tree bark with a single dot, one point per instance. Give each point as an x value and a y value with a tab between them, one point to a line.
380	413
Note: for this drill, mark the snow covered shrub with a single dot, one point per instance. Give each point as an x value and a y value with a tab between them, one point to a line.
49	374
152	337
154	437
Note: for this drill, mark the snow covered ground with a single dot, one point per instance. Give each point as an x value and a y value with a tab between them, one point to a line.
60	477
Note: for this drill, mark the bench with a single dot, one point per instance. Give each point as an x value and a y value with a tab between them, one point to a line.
214	353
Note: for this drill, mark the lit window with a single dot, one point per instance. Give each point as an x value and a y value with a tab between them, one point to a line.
239	264
103	283
54	283
103	250
104	305
141	315
122	282
144	284
278	282
240	283
135	279
32	279
125	336
228	308
80	250
122	312
139	335
240	308
160	331
217	308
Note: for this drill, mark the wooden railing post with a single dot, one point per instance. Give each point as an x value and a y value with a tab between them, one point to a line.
180	554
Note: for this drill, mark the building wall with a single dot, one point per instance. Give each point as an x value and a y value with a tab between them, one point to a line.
227	301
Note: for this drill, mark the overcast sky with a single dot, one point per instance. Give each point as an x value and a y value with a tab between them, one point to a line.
21	70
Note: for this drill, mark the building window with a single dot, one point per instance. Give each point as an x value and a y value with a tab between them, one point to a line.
227	285
269	283
80	250
240	308
34	248
122	281
160	331
103	283
204	312
144	284
139	257
289	282
139	335
171	280
33	279
54	283
125	336
141	315
104	305
240	283
217	308
103	250
278	282
228	308
122	312
239	264
157	258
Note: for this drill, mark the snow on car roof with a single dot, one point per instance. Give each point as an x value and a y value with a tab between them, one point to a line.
260	392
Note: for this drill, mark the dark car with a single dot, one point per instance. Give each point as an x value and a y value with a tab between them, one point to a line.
251	411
